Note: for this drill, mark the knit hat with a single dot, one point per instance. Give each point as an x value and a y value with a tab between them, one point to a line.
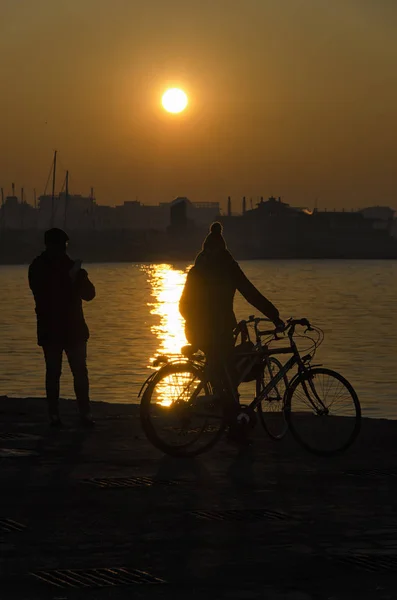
55	237
215	239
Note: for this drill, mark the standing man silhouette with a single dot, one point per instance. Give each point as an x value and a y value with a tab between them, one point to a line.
59	285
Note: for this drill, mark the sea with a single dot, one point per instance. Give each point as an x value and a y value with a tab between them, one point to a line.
135	318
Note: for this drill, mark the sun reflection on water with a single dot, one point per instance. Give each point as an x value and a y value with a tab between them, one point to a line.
167	285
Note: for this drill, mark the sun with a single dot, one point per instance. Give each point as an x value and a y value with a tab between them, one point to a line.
174	100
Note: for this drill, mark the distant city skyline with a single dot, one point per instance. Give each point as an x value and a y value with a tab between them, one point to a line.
292	98
29	197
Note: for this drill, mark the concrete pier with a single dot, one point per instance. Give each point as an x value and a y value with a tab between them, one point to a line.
103	514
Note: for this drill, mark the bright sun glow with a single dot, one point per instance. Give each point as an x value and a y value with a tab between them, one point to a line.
174	100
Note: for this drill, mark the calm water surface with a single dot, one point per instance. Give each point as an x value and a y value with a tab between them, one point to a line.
135	316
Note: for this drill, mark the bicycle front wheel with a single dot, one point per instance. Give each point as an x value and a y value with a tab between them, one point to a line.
271	409
178	413
323	411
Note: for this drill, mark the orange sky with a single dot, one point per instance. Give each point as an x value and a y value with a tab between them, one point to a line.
296	98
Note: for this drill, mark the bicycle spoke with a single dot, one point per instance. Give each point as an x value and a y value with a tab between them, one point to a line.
271	409
173	417
324	412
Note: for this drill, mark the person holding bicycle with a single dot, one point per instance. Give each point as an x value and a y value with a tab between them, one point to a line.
206	305
189	400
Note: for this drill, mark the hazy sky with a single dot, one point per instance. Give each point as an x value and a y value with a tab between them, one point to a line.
296	98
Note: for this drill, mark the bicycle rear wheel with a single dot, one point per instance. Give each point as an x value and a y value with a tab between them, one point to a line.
271	409
178	414
323	411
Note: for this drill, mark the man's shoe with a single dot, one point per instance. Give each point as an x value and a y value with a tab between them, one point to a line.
239	438
87	421
239	430
55	422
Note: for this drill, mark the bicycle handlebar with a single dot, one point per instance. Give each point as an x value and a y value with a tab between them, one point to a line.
295	322
289	326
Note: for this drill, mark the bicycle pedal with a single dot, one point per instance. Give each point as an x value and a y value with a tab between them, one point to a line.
247	417
243	419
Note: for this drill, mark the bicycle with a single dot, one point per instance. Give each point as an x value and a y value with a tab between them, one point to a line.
180	392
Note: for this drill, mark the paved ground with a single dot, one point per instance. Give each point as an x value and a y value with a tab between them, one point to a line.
301	527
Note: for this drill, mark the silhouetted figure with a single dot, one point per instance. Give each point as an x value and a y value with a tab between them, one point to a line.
206	303
59	285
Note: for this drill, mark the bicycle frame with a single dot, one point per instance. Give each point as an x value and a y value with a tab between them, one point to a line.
265	352
274	381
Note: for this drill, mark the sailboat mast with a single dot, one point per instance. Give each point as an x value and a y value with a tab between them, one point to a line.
3	216
66	197
22	207
92	207
53	188
36	218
